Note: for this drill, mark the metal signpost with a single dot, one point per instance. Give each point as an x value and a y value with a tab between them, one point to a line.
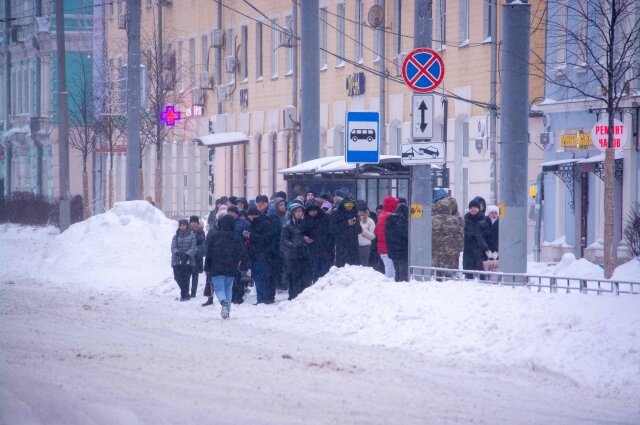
362	143
422	71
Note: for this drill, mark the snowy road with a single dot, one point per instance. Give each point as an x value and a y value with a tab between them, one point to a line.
80	355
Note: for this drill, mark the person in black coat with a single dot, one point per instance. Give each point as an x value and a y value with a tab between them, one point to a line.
294	248
315	227
260	236
226	255
474	242
346	228
396	230
198	231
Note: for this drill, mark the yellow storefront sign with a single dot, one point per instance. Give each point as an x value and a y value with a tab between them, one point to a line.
572	141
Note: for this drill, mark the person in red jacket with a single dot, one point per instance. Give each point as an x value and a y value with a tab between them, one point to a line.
389	205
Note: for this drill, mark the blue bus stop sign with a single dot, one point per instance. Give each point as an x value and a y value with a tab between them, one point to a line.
362	143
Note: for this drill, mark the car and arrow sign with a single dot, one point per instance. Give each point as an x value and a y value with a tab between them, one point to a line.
422	153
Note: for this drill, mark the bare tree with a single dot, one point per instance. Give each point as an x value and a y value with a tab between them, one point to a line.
593	55
162	77
83	128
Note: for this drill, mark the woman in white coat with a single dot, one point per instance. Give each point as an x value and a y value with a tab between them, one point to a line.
367	235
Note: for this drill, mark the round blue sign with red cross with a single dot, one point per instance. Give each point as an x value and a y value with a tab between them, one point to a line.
423	70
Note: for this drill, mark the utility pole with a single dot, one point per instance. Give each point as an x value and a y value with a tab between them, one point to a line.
158	111
514	129
133	100
493	113
421	184
100	73
294	79
310	93
63	124
382	78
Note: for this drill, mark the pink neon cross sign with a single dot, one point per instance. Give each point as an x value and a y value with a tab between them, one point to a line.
170	115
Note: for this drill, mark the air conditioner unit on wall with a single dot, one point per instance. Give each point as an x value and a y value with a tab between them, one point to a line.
218	123
288	118
222	93
285	38
546	139
217	38
231	64
206	81
478	127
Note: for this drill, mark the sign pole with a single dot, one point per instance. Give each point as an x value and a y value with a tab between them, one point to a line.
421	184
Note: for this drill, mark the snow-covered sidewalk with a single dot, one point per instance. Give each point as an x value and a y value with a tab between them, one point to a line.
91	333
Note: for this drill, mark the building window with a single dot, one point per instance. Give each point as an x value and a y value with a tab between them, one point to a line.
377	38
357	23
275	39
180	65
396	27
561	48
205	52
323	37
440	24
258	50
289	50
340	36
230	47
244	53
488	19
192	62
463	23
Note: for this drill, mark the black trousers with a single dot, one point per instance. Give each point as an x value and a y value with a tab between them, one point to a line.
402	270
301	276
194	284
182	275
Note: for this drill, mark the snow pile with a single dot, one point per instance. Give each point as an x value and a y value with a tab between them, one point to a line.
628	272
561	242
127	246
588	339
569	266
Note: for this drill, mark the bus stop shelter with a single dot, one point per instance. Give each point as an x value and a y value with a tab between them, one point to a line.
369	182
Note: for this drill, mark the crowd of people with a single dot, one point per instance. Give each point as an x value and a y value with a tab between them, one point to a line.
286	245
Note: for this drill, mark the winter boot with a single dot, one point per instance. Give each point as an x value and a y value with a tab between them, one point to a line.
225	309
209	302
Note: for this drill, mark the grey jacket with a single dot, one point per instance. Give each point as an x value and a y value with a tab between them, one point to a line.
184	241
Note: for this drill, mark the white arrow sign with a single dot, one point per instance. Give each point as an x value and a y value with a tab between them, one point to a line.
422	116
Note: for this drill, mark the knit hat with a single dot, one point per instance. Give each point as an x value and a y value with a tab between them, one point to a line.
241	199
253	210
482	203
492	208
262	198
183	221
439	193
194	219
326	205
294	206
234	209
474	203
